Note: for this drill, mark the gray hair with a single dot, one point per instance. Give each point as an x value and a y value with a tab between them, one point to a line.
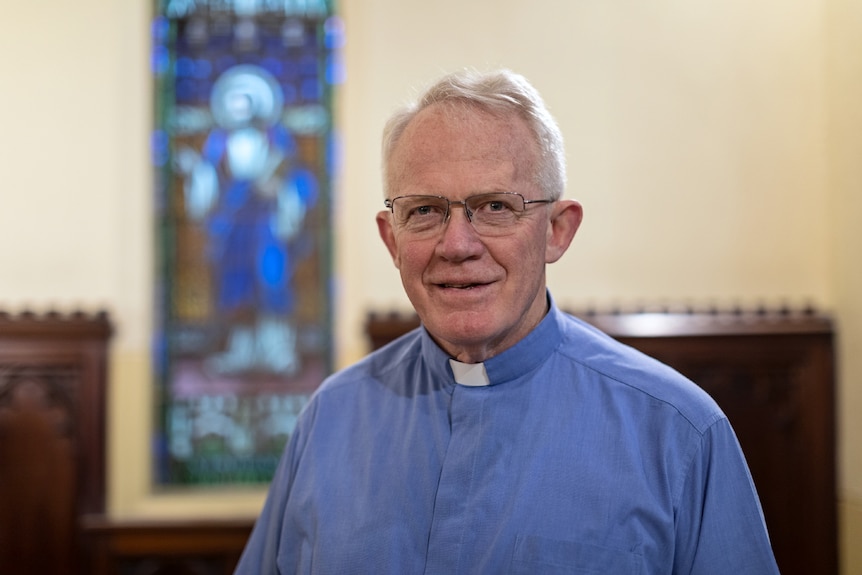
500	93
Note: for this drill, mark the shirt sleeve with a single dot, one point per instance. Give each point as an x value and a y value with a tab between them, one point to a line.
720	527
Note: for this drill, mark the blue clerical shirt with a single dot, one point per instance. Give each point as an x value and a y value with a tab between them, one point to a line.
581	455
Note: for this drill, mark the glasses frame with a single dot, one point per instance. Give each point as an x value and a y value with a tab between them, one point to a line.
463	203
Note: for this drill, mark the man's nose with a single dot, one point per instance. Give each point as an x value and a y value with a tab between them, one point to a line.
459	240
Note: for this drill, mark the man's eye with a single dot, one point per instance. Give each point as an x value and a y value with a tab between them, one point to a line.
494	207
423	212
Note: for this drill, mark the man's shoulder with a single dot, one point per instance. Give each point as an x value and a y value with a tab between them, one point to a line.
373	367
626	370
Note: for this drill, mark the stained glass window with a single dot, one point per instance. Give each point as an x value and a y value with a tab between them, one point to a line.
244	157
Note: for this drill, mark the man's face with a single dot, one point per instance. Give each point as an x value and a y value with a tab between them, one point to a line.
476	295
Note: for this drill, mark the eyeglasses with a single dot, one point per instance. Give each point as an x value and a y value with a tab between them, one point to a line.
491	214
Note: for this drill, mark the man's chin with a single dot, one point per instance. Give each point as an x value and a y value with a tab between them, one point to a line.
458	332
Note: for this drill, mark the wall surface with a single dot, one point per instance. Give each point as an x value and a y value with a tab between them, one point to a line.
844	86
715	147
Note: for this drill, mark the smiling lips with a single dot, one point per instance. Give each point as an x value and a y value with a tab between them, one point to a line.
462	285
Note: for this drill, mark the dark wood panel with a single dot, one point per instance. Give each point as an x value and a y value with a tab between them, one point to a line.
165	547
52	457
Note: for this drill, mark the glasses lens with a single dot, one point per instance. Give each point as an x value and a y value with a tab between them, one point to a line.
418	214
494	213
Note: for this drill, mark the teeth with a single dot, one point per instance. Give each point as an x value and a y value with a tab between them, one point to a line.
458	286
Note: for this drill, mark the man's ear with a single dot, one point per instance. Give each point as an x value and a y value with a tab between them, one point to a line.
565	220
384	228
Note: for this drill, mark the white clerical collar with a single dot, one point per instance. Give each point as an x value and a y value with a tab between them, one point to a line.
472	374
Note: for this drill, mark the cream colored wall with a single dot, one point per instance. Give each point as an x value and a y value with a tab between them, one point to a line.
715	147
844	121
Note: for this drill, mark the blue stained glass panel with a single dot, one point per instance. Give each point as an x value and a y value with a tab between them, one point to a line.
242	150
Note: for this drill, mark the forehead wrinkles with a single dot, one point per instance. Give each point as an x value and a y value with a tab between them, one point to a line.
451	132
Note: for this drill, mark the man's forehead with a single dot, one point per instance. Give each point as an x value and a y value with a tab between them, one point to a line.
463	129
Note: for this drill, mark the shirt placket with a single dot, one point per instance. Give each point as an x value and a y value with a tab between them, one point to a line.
451	519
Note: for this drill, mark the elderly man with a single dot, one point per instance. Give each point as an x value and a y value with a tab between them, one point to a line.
502	436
